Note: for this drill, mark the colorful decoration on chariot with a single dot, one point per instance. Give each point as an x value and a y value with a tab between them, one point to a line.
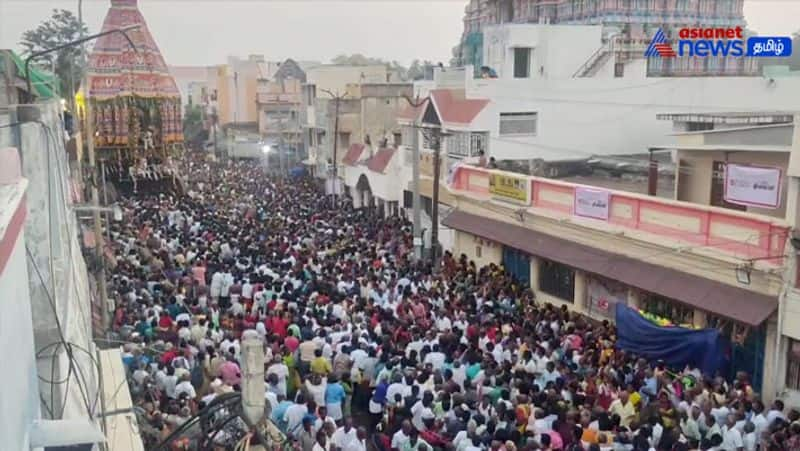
663	322
132	91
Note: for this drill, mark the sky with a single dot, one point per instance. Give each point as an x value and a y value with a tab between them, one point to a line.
205	32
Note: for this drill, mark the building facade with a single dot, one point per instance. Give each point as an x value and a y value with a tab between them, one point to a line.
628	26
280	100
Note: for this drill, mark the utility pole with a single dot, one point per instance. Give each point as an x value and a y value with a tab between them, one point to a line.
437	145
334	183
419	243
98	230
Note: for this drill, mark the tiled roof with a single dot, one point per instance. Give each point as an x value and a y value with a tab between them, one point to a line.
454	108
381	159
353	154
451	106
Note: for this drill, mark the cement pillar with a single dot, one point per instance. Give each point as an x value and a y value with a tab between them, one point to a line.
253	401
386	208
357	201
579	297
634	298
774	371
699	318
535	265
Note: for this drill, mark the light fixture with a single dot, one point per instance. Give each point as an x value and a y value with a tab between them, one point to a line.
265	149
743	273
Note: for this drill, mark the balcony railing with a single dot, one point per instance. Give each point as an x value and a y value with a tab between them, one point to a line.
741	235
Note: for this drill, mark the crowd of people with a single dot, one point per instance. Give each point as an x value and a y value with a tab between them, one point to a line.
368	348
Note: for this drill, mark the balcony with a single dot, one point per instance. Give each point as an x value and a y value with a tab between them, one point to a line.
744	236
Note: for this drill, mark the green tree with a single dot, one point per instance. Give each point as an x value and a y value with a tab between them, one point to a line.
62	27
194	131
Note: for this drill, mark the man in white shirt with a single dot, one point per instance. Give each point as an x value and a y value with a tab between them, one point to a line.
294	415
281	371
185	386
435	358
731	437
345	435
400	437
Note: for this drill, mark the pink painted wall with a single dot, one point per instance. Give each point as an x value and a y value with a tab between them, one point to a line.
743	235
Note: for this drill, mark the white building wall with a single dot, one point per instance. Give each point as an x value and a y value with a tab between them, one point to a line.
581	117
52	235
20	396
557	50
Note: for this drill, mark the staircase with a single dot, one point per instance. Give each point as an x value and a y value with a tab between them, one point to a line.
595	61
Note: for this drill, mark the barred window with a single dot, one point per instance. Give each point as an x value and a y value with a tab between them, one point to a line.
518	123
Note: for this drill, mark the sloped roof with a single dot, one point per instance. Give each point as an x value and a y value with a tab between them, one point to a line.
451	105
353	154
116	70
290	69
381	159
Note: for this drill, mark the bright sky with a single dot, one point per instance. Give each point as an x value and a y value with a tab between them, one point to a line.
202	32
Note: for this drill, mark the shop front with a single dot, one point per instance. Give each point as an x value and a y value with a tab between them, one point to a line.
593	281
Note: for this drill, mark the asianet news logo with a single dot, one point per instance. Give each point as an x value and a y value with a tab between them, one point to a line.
704	42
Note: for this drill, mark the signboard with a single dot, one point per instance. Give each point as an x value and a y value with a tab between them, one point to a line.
591	203
753	185
603	296
509	188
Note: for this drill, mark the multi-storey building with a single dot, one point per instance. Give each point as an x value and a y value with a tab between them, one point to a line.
628	25
280	100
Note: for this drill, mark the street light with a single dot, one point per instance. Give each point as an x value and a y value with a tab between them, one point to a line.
265	149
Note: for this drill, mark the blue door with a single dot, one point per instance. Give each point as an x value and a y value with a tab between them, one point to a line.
518	264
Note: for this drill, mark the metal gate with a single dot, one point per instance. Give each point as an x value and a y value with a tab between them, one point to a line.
518	264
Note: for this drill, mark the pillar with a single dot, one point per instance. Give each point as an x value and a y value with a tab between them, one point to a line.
253	401
773	382
357	200
634	298
699	318
386	208
579	297
535	264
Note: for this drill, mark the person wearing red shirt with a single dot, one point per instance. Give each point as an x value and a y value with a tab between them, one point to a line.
165	322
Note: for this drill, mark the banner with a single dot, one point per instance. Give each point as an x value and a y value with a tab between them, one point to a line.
509	188
591	203
753	185
603	297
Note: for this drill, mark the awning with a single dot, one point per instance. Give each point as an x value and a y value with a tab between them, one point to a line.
718	298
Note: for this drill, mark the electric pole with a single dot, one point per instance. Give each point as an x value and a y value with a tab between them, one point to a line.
419	243
436	143
334	182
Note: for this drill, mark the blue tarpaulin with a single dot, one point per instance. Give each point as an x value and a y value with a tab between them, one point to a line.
676	346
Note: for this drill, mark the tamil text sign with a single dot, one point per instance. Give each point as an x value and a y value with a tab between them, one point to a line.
509	188
591	203
753	185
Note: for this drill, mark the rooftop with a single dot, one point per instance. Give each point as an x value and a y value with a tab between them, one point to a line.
732	118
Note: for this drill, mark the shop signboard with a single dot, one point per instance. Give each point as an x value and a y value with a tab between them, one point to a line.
510	188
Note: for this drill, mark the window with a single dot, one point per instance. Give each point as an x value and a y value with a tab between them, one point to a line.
518	123
557	280
398	140
478	143
667	308
311	94
793	365
458	144
477	252
619	70
522	62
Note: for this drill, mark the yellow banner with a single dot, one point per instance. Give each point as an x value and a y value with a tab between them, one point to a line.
509	187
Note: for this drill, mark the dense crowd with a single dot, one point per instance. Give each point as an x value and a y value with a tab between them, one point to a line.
368	349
